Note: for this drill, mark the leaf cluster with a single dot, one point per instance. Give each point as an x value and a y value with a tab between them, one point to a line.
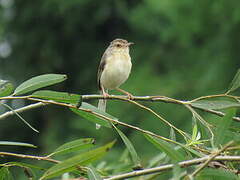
82	152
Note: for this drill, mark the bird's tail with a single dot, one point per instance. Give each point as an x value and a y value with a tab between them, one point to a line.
102	103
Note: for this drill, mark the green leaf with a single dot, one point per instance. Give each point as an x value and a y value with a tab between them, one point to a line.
172	134
10	143
78	160
186	147
131	149
92	117
39	82
222	127
219	174
57	96
195	132
155	160
76	145
93	174
215	105
6	88
166	147
178	172
25	165
5	174
27	168
235	84
20	117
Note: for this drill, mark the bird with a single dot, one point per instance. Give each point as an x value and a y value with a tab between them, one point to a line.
114	69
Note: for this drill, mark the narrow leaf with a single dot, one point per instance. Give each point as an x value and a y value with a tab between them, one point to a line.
39	82
11	143
57	96
5	174
215	105
178	172
166	147
219	174
20	117
93	174
155	160
25	165
92	117
223	126
235	84
131	149
6	88
78	160
172	134
194	132
76	145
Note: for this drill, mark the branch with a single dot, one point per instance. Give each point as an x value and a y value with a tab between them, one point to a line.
185	135
166	100
218	113
211	157
149	98
106	118
97	114
136	98
22	109
170	166
44	158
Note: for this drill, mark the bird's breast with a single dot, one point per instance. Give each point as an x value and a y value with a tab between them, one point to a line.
116	71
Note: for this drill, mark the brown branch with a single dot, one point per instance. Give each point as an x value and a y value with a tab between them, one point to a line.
149	98
106	118
185	135
211	157
170	166
22	109
44	158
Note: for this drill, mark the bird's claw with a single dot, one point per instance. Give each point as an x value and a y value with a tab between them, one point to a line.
130	96
105	95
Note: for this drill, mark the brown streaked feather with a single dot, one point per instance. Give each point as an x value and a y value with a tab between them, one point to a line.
100	69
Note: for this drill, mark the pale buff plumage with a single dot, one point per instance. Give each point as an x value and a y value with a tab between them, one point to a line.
114	68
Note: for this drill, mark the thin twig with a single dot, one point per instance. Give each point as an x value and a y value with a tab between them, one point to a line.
218	113
185	135
44	158
106	118
170	166
211	157
135	98
151	99
20	117
214	96
125	98
205	123
22	109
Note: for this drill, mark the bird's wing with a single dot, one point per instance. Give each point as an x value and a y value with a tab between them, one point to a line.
101	68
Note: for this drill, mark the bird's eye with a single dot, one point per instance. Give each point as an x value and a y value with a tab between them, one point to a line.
118	45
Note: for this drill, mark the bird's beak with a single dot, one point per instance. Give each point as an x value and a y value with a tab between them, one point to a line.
130	43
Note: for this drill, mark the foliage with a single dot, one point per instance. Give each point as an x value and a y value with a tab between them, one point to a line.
80	155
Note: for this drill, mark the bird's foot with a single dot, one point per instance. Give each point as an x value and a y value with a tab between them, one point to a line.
129	95
105	95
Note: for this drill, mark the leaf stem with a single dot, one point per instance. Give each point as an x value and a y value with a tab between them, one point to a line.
44	158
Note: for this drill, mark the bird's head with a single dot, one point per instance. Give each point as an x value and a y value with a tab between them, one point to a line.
120	45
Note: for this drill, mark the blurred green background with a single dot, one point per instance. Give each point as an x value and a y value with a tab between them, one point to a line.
183	49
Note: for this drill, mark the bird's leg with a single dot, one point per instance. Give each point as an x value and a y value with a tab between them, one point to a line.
104	93
130	96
